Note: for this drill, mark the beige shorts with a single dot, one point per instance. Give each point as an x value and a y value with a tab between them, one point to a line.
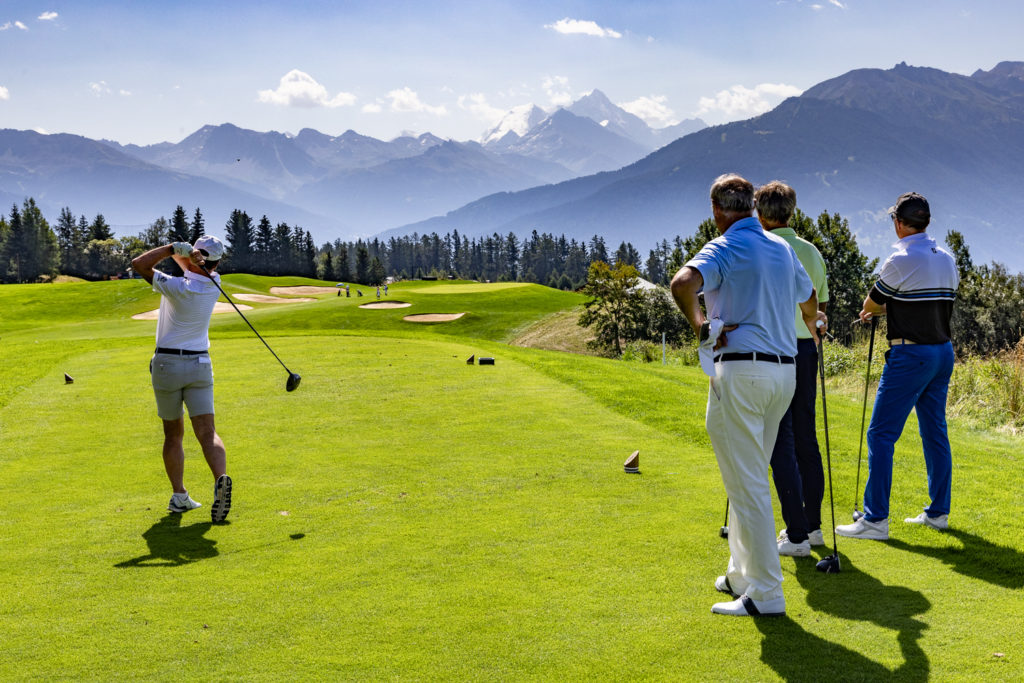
182	379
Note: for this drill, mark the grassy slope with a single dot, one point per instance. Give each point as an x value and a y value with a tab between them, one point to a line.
405	515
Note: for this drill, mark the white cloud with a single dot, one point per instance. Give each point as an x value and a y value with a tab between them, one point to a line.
558	91
16	24
20	25
47	16
651	109
299	89
837	4
406	100
100	88
373	107
817	7
477	105
124	93
588	28
41	131
5	94
742	102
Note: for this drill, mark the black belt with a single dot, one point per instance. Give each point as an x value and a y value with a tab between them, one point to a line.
756	355
180	352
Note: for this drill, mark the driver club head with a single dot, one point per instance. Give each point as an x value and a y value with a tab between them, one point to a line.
857	514
293	382
724	532
829	565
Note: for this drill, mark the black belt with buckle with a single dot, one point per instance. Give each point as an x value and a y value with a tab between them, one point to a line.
756	355
180	352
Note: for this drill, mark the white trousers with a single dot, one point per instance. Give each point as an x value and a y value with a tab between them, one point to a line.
745	404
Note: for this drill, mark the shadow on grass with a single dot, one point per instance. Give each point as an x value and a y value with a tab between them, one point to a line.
979	559
172	545
850	595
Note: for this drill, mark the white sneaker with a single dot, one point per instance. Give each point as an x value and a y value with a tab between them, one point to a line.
221	499
941	522
722	586
791	549
748	607
182	502
862	528
816	537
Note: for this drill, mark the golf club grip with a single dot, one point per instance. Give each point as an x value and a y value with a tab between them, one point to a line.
217	285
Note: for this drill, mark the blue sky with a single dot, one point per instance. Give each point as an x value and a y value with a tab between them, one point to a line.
146	72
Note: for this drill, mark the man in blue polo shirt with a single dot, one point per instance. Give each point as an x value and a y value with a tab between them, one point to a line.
915	290
750	279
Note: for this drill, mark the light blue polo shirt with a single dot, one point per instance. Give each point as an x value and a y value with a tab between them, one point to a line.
753	279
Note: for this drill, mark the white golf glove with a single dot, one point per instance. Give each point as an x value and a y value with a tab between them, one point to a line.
182	249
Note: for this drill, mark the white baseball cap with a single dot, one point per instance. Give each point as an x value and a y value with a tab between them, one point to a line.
211	246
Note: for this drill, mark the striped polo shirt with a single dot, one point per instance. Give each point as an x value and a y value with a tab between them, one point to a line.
917	284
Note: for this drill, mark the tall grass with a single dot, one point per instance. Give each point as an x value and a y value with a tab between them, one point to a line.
989	392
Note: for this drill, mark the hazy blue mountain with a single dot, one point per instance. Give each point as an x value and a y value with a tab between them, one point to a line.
352	150
597	107
92	177
851	144
396	191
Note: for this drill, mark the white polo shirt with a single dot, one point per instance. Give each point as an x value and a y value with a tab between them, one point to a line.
186	305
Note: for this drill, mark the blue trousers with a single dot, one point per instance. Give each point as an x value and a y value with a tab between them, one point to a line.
916	376
796	461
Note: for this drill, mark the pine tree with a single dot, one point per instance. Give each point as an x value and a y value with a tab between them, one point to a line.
99	230
198	227
239	236
363	264
179	230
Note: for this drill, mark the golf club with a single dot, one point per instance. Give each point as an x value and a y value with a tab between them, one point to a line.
857	514
830	564
293	379
724	531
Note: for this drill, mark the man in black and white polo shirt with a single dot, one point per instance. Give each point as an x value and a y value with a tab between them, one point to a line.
916	288
181	370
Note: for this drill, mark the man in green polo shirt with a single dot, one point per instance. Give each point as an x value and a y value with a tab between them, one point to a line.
796	459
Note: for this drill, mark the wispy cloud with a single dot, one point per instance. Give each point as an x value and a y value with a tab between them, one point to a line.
373	107
557	90
16	24
5	94
47	16
837	4
740	101
651	109
99	88
406	100
299	89
478	105
582	26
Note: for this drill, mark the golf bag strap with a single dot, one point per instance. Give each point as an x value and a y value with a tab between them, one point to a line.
749	605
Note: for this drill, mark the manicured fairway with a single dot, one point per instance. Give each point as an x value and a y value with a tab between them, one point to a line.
403	515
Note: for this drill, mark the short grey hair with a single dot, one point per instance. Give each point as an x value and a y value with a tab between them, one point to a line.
732	193
776	202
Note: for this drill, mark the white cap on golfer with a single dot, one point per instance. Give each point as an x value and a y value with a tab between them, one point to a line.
212	246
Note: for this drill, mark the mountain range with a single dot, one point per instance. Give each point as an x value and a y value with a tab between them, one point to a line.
850	145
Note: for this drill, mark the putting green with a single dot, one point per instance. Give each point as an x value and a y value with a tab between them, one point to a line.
468	288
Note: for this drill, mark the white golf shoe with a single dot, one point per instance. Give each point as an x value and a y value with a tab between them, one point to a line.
221	499
941	522
182	502
862	528
744	606
816	537
791	549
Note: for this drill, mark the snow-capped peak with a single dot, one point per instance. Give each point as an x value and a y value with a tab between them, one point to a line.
518	120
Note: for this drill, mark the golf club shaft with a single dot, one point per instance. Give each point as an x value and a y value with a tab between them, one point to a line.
828	448
864	410
726	522
214	281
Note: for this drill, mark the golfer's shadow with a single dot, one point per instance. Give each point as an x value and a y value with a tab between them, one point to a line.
850	595
979	559
172	545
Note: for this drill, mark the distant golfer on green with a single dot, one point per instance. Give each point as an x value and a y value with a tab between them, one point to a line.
181	370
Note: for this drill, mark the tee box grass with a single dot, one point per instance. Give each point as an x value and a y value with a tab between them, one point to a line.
405	516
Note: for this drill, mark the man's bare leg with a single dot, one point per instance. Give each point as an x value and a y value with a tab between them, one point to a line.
174	453
213	447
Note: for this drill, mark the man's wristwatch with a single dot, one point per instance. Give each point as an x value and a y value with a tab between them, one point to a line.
705	331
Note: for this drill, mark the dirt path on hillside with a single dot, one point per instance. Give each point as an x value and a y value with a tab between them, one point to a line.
557	332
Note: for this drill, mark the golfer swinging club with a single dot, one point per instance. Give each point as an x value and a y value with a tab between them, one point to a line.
751	281
181	370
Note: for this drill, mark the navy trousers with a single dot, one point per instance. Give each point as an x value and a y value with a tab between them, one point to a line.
796	460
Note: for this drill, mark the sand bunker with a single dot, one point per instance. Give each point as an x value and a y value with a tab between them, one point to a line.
264	299
386	304
433	317
304	290
219	307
